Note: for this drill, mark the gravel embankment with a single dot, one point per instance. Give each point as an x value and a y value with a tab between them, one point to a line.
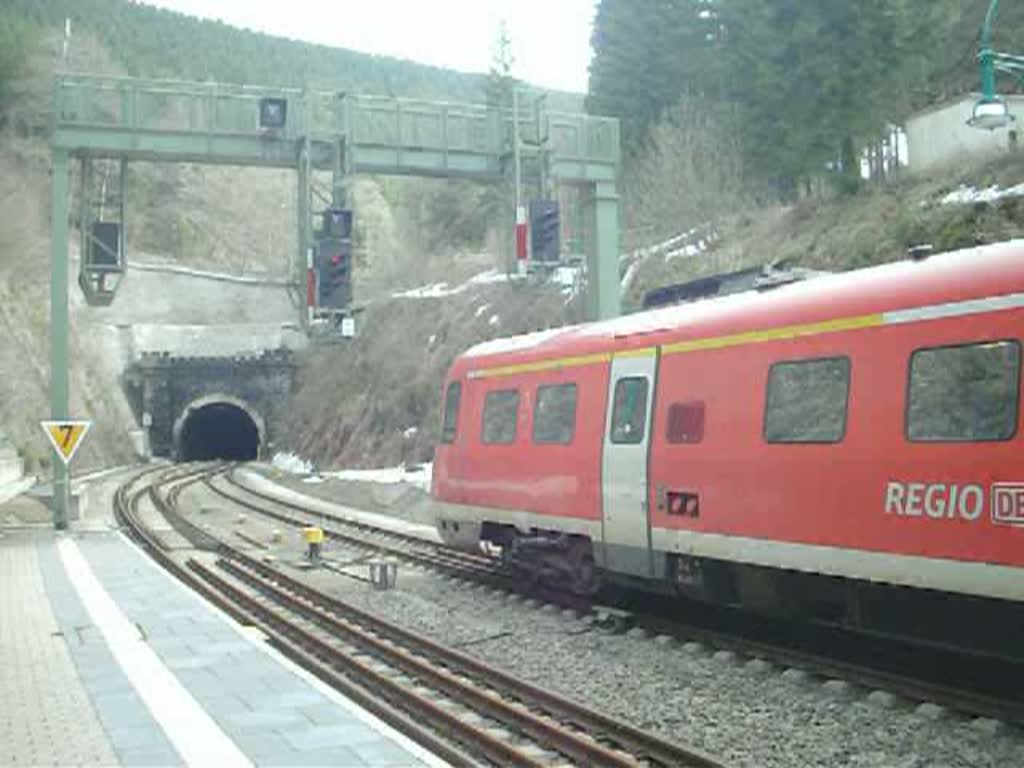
746	712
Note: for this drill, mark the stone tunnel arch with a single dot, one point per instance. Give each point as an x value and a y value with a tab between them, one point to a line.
218	426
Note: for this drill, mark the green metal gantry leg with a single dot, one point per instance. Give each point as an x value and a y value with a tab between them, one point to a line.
603	286
302	210
59	327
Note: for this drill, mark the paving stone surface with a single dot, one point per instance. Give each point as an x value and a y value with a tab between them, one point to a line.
66	701
46	717
136	738
275	716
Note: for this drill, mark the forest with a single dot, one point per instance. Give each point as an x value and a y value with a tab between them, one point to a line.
781	92
153	42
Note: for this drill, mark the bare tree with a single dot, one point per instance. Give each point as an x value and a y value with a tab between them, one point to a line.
689	174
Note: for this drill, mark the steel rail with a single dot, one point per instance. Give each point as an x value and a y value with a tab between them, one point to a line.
556	731
280	627
453	562
228	476
409	538
445	559
386	638
913	688
125	507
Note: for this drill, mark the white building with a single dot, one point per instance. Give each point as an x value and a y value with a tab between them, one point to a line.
940	134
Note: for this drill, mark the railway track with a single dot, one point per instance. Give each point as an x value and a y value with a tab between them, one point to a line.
886	666
889	670
477	568
831	664
399	545
486	716
983	687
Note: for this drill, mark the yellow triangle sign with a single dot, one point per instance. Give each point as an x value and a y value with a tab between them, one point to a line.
66	436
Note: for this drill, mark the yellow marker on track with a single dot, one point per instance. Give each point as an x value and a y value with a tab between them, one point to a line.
313	535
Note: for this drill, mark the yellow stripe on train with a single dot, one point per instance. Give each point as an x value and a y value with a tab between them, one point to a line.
692	345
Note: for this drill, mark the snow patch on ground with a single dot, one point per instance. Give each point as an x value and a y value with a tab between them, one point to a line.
289	462
262	484
567	277
418	475
967	195
488	277
630	276
434	291
440	290
686	245
688	251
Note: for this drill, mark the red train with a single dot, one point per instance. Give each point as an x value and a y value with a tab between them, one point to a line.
833	447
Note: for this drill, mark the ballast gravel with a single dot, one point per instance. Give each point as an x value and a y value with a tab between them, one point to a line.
745	712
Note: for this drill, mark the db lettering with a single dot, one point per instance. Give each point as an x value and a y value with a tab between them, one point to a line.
1008	503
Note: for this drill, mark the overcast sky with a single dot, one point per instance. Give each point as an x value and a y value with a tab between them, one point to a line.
550	38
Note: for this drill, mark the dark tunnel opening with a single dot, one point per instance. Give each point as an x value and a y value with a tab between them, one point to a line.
219	431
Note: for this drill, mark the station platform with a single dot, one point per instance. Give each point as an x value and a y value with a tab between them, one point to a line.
105	659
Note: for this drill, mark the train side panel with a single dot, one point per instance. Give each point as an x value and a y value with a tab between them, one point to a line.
538	483
870	490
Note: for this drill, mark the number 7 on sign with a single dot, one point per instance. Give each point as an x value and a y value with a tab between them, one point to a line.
66	436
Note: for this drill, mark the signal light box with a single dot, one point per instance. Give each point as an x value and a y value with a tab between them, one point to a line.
338	223
334	267
273	113
545	234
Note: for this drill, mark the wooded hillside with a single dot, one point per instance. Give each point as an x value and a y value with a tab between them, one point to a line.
804	85
153	42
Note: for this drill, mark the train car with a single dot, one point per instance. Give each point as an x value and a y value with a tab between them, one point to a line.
844	447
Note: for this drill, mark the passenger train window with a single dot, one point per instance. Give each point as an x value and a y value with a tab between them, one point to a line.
807	401
501	411
554	419
685	422
629	416
965	393
450	419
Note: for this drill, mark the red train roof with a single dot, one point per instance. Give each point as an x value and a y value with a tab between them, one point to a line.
958	276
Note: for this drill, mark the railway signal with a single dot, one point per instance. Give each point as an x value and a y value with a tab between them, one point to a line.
544	230
334	259
335	268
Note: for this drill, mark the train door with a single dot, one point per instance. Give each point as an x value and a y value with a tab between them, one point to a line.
625	523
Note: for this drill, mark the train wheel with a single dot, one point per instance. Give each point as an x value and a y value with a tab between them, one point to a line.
583	574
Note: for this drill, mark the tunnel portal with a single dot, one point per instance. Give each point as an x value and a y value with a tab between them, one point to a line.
199	408
219	430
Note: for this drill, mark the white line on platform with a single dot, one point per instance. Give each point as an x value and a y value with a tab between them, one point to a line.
259	641
194	734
